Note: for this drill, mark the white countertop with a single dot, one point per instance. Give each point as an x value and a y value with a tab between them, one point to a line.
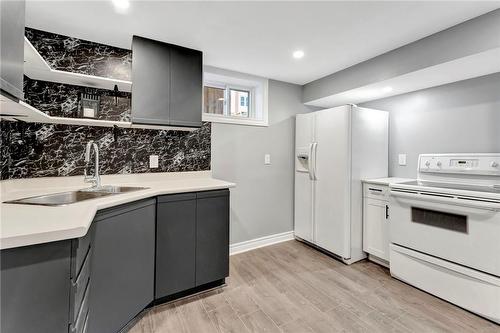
22	225
387	181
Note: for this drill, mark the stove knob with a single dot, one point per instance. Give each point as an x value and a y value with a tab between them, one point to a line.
427	163
439	164
494	164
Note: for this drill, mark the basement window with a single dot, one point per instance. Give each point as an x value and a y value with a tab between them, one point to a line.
234	98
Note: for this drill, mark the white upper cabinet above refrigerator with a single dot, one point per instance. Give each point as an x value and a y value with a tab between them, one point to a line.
335	149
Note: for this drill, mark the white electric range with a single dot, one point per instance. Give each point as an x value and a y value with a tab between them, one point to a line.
445	230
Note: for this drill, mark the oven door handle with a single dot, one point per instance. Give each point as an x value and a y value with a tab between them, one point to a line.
450	200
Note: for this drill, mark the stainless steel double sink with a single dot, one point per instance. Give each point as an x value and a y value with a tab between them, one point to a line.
66	198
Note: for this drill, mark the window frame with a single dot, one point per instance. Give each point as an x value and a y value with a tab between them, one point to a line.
215	86
249	91
229	80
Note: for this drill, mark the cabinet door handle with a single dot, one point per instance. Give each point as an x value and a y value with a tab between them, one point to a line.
386	212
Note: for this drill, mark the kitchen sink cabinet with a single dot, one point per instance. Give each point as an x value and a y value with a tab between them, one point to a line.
122	265
133	255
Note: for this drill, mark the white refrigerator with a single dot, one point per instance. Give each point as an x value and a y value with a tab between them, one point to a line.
335	149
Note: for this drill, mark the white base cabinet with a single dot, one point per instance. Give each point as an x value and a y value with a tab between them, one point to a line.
376	220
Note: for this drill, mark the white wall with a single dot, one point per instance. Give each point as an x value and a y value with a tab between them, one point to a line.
262	202
462	117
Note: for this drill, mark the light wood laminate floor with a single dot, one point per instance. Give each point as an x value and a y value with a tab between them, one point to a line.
290	287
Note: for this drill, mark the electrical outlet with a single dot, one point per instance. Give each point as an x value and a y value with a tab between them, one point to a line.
402	159
153	161
267	159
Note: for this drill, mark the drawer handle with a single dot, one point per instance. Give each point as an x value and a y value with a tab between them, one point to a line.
375	189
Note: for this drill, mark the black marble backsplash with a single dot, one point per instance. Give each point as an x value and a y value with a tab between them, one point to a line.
62	100
78	56
81	56
47	150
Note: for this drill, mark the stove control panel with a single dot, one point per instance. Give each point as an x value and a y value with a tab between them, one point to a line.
473	164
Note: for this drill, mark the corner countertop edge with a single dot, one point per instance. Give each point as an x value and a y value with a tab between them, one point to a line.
22	225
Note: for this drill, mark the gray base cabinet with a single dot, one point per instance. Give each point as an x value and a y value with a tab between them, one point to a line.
122	265
192	241
175	245
80	274
35	285
212	236
132	255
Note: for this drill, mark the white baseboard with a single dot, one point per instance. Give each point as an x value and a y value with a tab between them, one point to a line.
260	242
378	260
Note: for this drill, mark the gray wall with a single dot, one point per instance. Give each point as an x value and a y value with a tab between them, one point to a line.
470	37
262	202
461	117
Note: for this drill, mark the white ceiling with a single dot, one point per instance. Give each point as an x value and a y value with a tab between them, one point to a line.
259	37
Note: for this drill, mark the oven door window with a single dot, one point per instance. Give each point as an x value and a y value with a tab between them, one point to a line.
453	222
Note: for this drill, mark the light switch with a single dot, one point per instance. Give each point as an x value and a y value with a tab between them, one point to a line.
153	161
267	159
402	159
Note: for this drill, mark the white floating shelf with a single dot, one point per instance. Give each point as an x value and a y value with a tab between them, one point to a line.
12	110
35	67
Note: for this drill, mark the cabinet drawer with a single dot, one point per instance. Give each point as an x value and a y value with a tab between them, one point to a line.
79	250
212	194
85	324
78	325
378	192
176	197
78	288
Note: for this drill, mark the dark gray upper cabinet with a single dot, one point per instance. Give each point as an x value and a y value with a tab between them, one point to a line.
186	86
167	84
212	236
122	265
35	288
151	82
175	244
12	48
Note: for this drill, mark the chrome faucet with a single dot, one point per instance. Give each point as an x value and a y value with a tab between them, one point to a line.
96	178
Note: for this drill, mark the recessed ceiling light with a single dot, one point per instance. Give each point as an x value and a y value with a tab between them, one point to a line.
298	54
121	5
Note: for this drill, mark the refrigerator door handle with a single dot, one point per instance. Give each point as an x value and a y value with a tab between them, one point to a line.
314	157
310	162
